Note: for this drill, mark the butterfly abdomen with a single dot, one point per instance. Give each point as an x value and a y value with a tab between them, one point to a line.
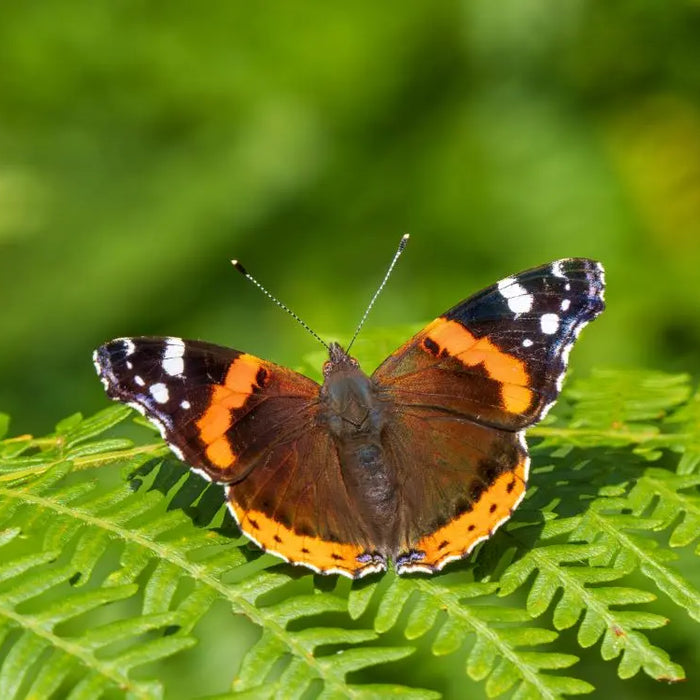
355	415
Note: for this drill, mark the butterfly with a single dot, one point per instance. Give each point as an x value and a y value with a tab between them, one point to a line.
411	466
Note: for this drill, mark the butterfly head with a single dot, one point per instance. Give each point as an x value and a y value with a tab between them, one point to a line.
338	361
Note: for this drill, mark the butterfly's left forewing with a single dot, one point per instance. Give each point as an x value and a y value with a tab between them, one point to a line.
468	384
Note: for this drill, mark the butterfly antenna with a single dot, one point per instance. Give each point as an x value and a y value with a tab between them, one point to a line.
252	279
399	250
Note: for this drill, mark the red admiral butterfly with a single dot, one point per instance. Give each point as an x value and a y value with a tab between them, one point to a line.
414	464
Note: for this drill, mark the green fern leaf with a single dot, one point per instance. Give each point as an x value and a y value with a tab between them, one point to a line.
35	629
46	497
456	611
618	409
91	577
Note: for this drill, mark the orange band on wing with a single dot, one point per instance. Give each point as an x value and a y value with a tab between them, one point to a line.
456	539
458	342
314	552
238	385
220	453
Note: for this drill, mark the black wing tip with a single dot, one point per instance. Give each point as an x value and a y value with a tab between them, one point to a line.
107	358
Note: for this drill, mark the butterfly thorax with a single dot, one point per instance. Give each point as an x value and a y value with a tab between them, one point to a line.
355	415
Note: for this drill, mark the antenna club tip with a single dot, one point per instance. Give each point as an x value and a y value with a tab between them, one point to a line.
239	267
404	240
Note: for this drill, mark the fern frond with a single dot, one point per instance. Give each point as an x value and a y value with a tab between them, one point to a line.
158	550
42	657
618	409
672	500
571	569
92	577
686	441
454	611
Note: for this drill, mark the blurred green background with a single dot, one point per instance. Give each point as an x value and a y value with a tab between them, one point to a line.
143	145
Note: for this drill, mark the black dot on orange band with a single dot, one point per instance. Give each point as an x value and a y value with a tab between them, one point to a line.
254	523
335	556
510	486
431	346
277	538
305	550
443	544
471	527
261	377
493	507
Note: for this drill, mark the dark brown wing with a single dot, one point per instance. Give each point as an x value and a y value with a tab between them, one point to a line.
248	423
459	482
463	390
294	504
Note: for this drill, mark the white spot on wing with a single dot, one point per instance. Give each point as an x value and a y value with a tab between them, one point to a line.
527	343
565	304
96	362
549	323
139	380
601	272
174	366
185	404
128	345
557	269
160	392
519	301
173	363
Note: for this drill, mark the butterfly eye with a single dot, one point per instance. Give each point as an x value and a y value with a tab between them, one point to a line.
327	368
